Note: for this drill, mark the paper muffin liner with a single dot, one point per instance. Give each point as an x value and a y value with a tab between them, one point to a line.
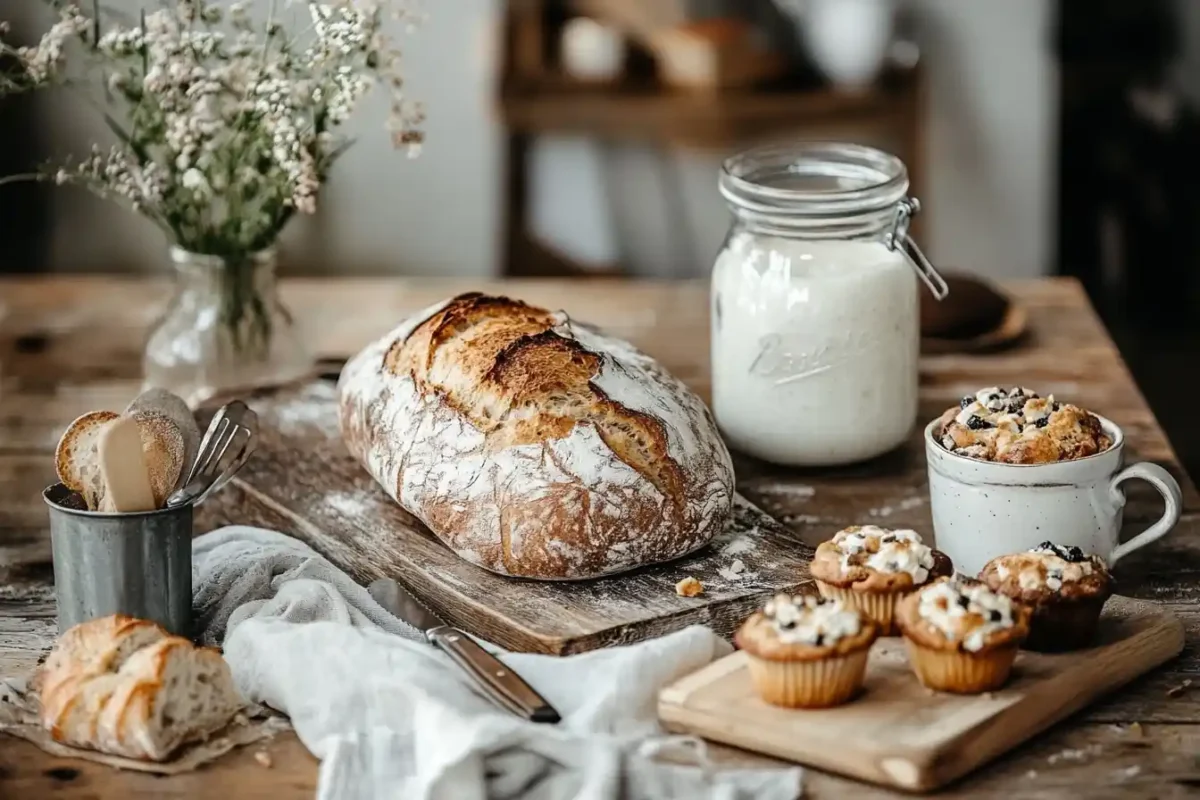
879	606
809	684
958	672
1065	625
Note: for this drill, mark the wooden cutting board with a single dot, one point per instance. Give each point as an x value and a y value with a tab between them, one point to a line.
302	481
898	733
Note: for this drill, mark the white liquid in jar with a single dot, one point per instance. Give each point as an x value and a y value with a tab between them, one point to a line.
814	348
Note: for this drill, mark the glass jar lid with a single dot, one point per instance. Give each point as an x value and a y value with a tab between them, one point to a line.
827	190
814	179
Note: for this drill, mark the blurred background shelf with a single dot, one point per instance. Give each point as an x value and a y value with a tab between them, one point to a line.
720	120
607	75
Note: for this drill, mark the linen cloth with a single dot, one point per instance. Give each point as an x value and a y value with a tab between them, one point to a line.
389	716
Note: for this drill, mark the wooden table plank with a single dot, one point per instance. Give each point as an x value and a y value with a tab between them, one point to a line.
64	350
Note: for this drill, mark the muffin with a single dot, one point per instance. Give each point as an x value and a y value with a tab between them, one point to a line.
962	637
1064	589
805	651
871	568
1018	426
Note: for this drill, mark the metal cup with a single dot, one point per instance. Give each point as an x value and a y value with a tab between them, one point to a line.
135	564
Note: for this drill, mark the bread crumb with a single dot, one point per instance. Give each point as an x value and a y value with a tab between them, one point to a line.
1135	729
988	696
689	587
263	758
1031	774
1178	691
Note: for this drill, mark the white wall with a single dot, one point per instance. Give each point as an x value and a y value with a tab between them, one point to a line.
382	212
990	160
992	138
989	192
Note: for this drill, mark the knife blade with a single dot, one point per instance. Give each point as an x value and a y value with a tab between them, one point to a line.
497	682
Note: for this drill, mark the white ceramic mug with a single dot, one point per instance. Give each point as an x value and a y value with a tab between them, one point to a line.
983	509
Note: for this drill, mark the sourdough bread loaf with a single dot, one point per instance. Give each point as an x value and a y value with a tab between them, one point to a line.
125	687
534	446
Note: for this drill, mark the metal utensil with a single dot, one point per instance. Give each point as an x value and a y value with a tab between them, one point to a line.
496	681
227	444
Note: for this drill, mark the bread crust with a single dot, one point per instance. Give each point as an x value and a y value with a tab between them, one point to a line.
107	684
534	446
75	458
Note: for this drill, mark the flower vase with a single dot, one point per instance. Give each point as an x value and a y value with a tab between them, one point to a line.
225	330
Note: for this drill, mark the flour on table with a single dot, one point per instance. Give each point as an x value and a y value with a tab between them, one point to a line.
907	504
736	571
741	544
313	407
353	504
792	491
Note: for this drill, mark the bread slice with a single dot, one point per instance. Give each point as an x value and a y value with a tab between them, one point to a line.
90	649
76	459
171	693
123	465
165	404
164	449
125	687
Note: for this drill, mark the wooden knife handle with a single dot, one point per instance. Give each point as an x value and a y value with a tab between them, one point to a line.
497	681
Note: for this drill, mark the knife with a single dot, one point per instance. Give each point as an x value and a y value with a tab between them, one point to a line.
496	681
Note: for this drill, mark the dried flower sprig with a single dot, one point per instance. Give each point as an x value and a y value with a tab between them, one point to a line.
227	124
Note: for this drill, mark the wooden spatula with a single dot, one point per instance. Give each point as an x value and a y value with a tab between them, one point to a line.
123	468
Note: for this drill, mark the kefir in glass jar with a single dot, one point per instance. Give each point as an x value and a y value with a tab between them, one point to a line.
815	313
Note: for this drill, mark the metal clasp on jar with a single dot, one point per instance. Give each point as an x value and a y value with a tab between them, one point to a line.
925	270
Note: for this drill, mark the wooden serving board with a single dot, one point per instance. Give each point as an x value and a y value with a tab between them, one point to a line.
900	734
302	481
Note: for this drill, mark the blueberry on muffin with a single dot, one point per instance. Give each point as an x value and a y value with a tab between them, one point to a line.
805	651
1018	426
871	568
962	637
1064	588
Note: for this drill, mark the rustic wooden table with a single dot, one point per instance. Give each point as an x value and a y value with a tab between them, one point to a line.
72	345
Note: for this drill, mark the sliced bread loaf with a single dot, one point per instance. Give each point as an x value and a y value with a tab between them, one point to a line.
127	688
162	403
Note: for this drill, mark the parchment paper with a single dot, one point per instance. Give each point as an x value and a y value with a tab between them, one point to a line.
19	711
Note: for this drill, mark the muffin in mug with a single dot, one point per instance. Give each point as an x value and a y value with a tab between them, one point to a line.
1018	426
1064	588
805	651
872	568
962	637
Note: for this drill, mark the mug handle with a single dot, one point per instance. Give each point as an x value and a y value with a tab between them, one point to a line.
1160	479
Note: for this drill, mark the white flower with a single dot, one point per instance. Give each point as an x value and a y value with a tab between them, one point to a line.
44	62
230	115
194	180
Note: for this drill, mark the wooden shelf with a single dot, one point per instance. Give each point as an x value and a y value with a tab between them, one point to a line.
704	120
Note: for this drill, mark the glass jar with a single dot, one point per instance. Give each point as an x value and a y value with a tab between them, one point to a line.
815	313
225	330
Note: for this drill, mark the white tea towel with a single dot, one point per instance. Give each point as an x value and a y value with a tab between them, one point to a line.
390	717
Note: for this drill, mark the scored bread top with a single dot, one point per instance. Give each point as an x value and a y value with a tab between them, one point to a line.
535	446
495	360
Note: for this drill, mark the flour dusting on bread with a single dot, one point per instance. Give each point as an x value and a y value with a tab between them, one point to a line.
533	446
